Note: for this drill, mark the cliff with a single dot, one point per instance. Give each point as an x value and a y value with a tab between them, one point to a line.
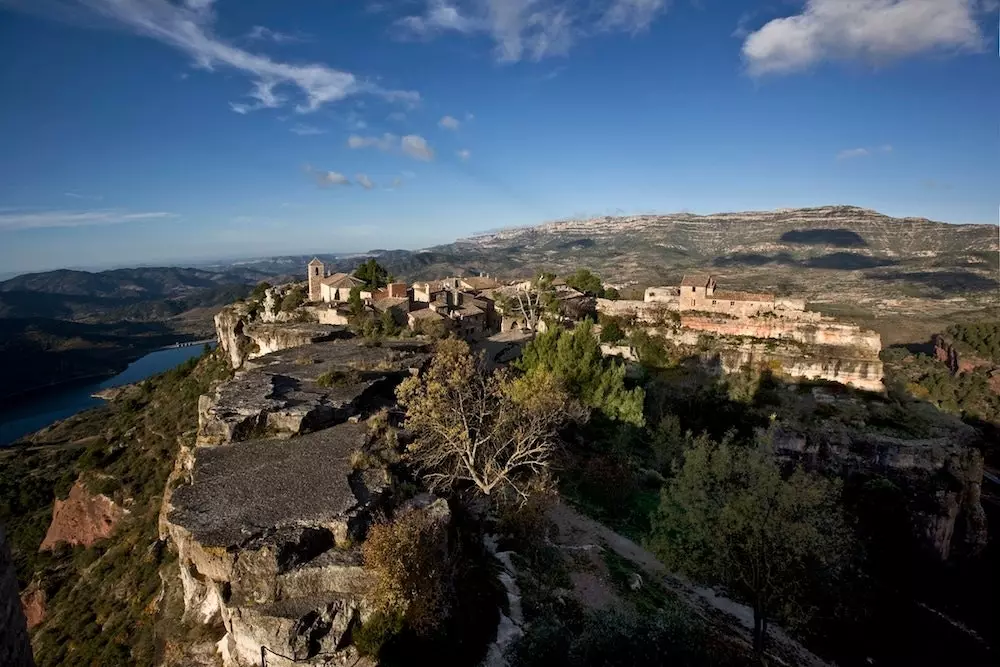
933	458
267	509
242	335
865	344
15	649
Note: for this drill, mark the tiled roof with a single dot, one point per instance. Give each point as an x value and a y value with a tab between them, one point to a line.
339	280
389	302
425	314
695	280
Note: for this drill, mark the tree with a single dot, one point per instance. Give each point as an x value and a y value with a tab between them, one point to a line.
612	293
374	275
492	431
586	282
387	323
611	330
258	292
295	298
575	359
730	517
355	304
530	303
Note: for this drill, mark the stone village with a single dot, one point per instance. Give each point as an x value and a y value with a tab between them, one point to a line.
752	328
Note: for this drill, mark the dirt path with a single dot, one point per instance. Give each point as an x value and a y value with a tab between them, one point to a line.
577	531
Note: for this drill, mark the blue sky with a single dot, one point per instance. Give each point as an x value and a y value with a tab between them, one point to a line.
154	131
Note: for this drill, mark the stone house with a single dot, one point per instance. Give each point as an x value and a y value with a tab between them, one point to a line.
699	292
334	288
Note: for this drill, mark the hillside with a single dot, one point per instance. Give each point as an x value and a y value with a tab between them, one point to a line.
59	326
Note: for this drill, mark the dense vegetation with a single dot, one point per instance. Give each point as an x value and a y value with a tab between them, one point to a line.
101	601
983	338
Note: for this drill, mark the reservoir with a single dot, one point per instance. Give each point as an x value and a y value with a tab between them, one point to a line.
48	407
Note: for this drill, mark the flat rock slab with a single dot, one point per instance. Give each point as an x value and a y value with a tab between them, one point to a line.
259	487
281	394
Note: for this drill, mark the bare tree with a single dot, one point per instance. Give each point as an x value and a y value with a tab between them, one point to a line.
531	301
491	430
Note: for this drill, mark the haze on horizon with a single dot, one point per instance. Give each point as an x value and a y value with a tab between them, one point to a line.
146	131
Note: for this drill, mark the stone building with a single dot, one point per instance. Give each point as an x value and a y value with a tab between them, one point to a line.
334	288
699	292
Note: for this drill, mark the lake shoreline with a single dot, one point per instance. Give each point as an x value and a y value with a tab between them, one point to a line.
132	354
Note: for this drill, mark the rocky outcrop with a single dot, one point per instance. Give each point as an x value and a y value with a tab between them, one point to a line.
243	335
266	533
842	365
15	648
865	344
942	474
33	604
82	519
302	390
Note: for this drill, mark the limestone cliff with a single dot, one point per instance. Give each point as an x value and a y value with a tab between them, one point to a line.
941	471
244	335
266	511
15	649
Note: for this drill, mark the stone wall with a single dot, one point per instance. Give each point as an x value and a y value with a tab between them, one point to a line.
867	343
642	311
15	648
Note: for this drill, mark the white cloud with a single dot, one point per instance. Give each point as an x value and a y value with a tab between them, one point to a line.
189	28
532	29
413	145
364	181
449	123
20	220
851	153
464	154
868	30
330	178
385	143
632	15
304	130
416	147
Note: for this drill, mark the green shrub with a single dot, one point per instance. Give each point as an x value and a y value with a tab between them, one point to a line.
380	628
338	378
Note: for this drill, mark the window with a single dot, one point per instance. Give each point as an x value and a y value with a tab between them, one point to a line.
692	302
732	303
713	302
692	288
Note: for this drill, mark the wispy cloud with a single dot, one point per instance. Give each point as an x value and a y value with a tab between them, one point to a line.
189	28
412	144
385	143
304	130
529	29
77	195
262	33
364	181
328	178
449	123
463	154
868	30
852	153
19	220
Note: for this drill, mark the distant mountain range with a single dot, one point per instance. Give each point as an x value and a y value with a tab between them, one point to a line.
849	258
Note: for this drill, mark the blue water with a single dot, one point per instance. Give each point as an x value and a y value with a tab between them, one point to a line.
50	406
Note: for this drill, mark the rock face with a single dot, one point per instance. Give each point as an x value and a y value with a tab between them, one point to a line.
945	472
82	519
241	337
33	604
301	390
15	649
266	533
